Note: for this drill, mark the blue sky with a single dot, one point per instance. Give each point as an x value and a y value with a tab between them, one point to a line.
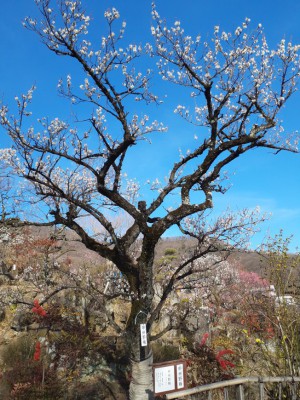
260	178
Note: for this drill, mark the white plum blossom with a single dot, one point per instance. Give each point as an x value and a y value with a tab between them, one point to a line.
112	14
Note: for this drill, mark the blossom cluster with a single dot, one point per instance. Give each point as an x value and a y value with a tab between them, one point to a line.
248	82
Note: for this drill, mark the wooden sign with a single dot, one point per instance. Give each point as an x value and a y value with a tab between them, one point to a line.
169	376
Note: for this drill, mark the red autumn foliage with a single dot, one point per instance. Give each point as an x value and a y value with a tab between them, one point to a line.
222	353
204	339
37	353
224	364
38	309
270	331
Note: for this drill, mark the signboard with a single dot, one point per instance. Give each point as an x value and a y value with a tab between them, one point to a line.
180	376
169	376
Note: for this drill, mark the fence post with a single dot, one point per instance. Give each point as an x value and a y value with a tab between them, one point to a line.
261	389
226	397
240	392
280	391
294	390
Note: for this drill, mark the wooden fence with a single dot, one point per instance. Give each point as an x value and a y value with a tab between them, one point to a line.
281	387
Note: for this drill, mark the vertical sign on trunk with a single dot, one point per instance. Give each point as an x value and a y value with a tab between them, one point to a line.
143	329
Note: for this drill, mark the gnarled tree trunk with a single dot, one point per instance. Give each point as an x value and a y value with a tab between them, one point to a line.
141	358
141	385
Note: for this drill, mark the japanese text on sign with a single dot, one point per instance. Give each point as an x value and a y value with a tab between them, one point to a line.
143	329
180	381
164	379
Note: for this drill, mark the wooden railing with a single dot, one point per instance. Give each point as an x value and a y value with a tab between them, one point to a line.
239	385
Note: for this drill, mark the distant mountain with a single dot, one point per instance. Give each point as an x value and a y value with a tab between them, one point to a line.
71	249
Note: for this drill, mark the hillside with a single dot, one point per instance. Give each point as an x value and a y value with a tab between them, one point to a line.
70	248
80	324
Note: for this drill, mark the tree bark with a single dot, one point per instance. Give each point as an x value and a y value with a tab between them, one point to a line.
141	385
141	358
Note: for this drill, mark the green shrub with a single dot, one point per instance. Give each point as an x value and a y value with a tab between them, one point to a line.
170	252
165	352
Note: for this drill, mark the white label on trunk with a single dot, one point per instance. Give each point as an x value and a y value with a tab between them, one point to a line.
143	329
180	380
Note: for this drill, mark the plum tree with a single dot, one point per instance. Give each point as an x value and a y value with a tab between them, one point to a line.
78	167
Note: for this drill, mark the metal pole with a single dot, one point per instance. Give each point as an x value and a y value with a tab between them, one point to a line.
233	382
211	386
226	394
240	392
280	391
261	389
294	391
